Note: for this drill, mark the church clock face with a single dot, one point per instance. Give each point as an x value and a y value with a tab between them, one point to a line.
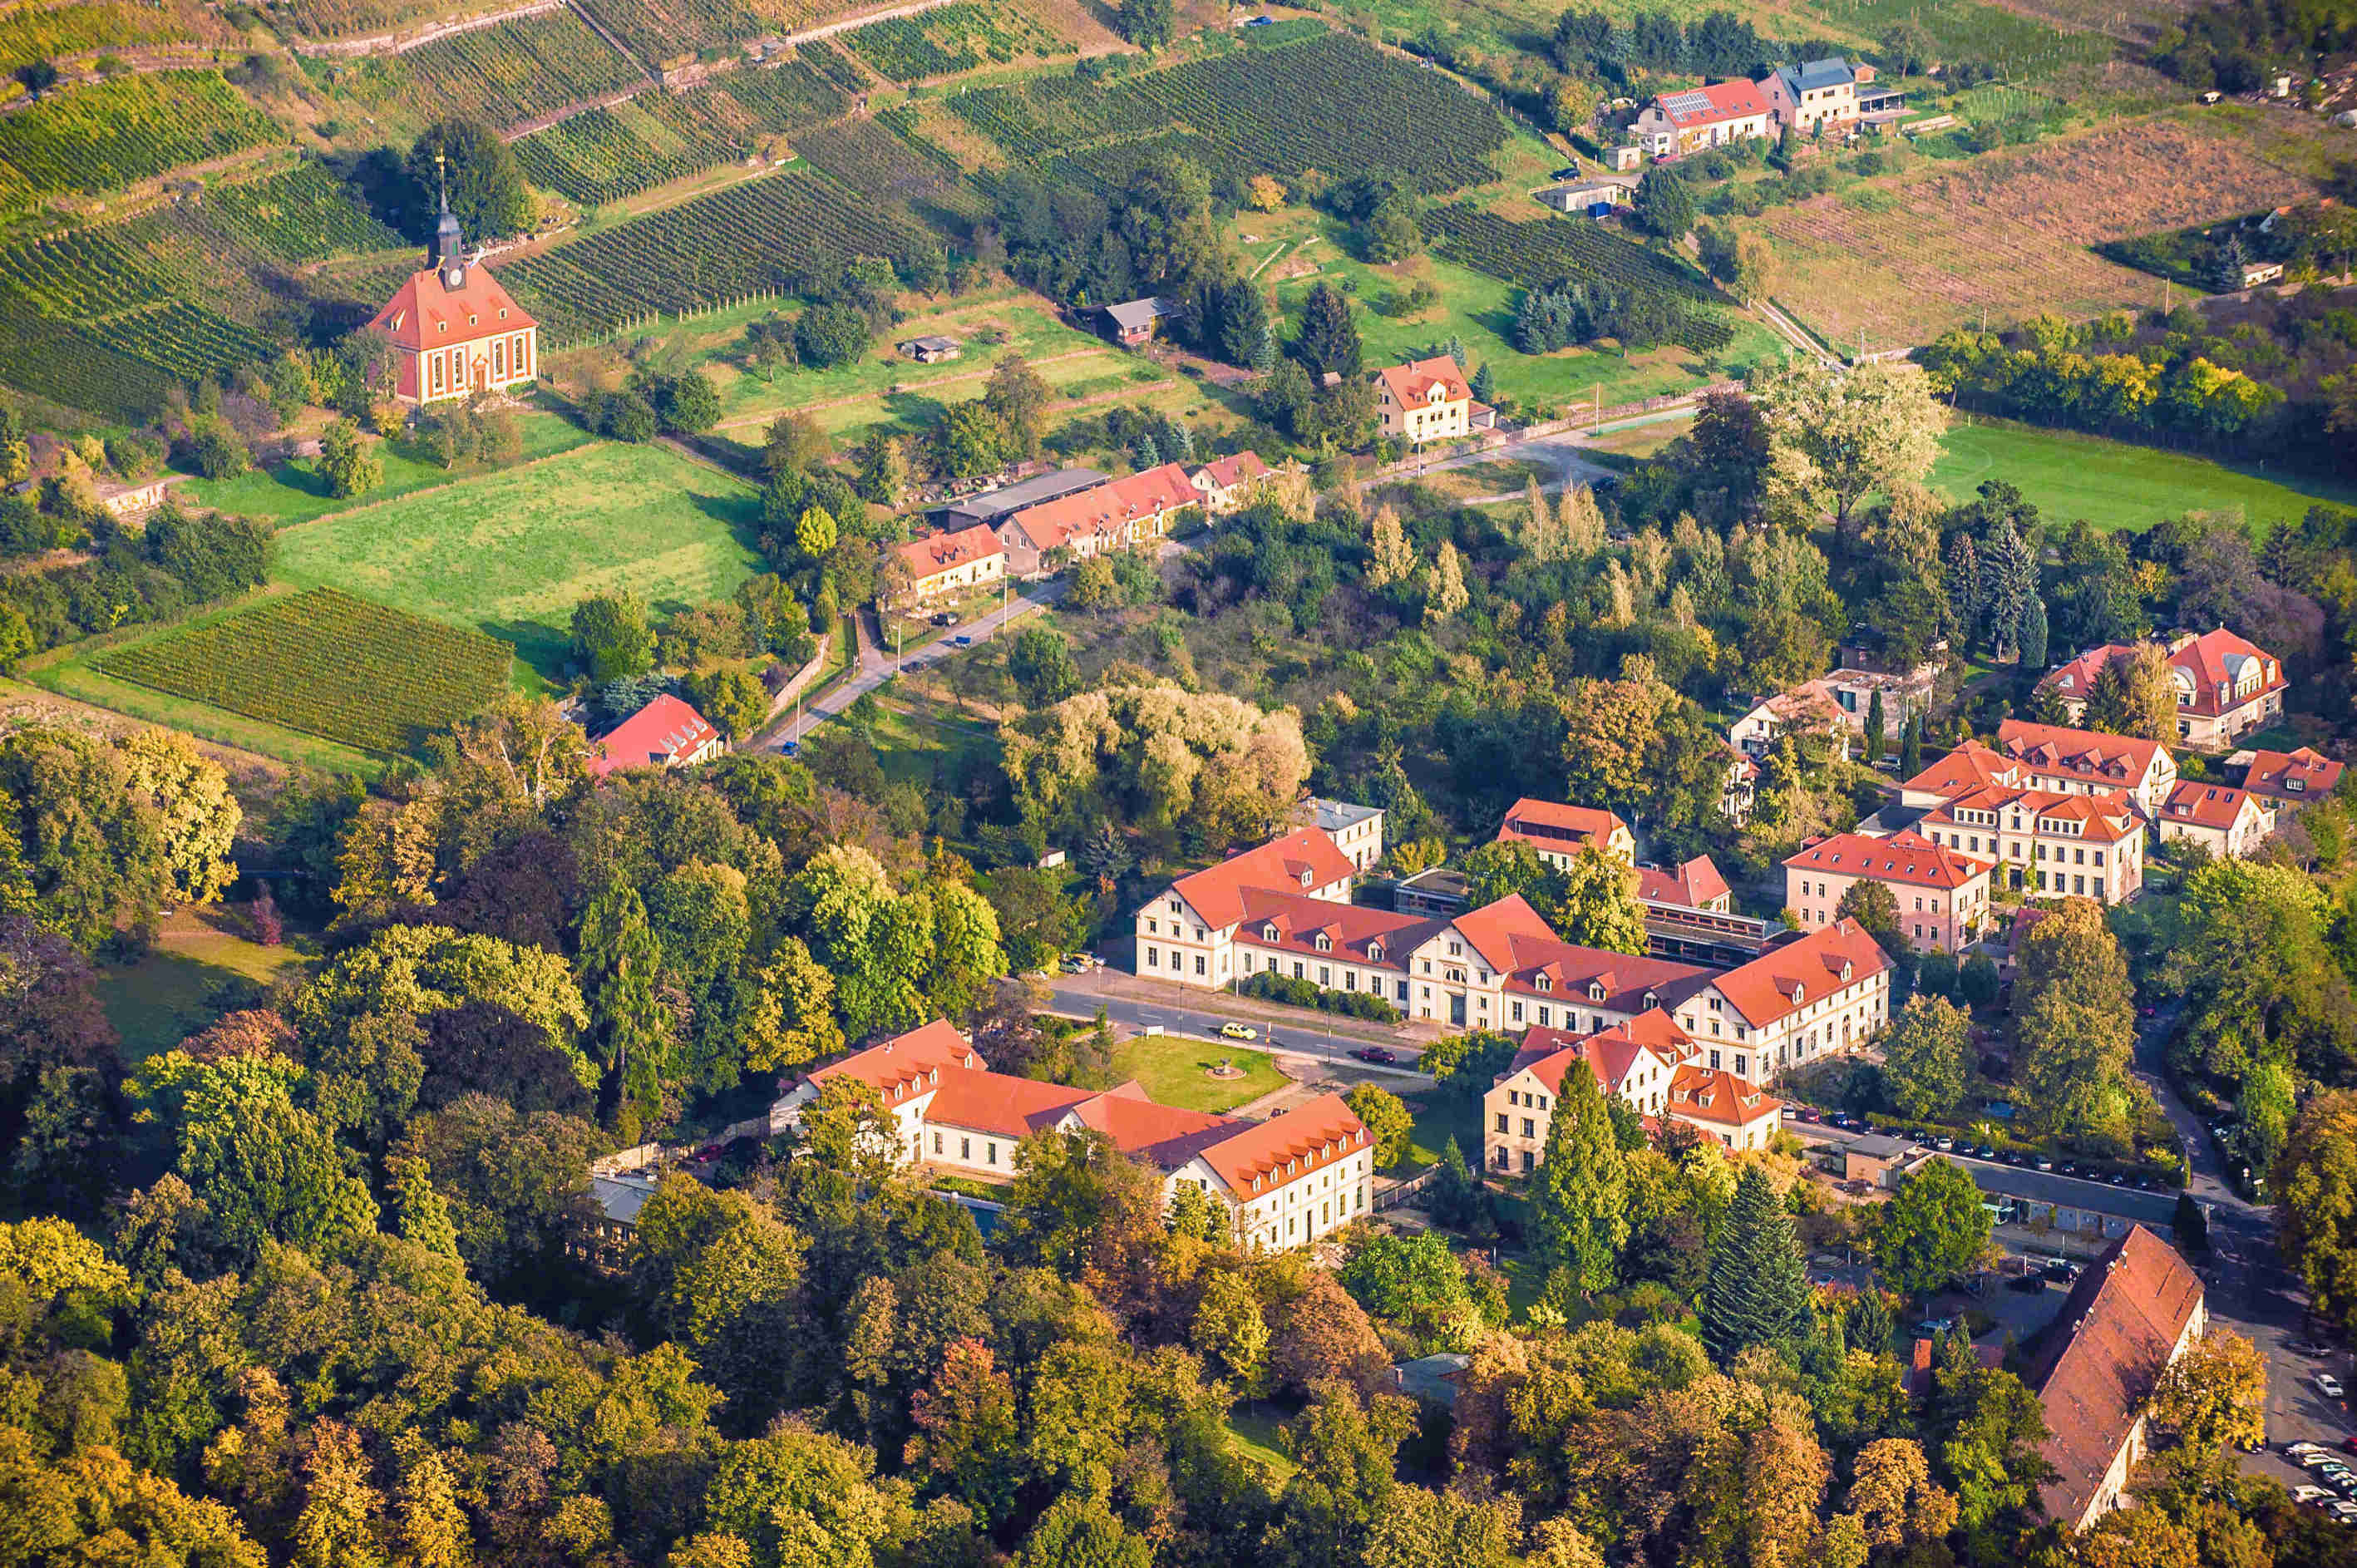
453	277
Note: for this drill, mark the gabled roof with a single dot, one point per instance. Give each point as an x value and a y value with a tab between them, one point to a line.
1720	101
656	735
423	314
1353	931
908	1063
1553	823
1537	962
998	1102
2206	805
1303	860
1971	766
1833	71
2111	1338
1548	1053
1692	886
1108	508
1307	1139
1226	473
2219	657
939	552
1163	1135
1411	384
2108	811
2120	760
1706	1094
2294	775
1131	315
1784	978
2078	678
1907	857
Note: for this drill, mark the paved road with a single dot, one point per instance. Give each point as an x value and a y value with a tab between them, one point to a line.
1138	1013
2154	1209
1559	451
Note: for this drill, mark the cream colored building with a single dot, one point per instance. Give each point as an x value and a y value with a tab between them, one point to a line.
1942	893
1824	994
2087	846
2229	824
1558	832
1426	401
944	562
1649	1064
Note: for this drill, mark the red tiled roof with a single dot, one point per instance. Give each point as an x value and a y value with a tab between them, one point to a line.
1001	1103
2217	657
1352	931
2078	678
1572	973
2112	1337
1411	384
909	1062
1164	1136
2203	805
1308	1138
1919	1369
1735	100
1549	1053
1302	859
2122	761
1225	473
1783	979
1692	886
1971	766
2296	775
423	314
939	552
1706	1094
2109	810
1907	857
655	737
1108	508
1552	822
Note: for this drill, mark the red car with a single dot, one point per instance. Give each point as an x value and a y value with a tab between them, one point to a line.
1375	1055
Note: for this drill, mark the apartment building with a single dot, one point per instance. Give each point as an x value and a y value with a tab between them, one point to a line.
1187	932
1426	400
1943	895
1357	831
1284	1182
1824	994
1558	832
2230	823
1648	1063
2080	761
2087	846
1117	515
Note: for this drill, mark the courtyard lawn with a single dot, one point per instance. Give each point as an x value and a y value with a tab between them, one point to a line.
1438	1118
511	552
2115	484
1176	1071
294	492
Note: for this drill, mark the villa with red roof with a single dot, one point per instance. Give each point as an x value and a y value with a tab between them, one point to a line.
941	562
1225	484
1286	1181
666	733
1943	895
1426	400
1558	832
1114	516
454	328
2088	845
2226	685
1649	1064
2068	761
1700	117
1696	884
2226	821
2291	778
1824	994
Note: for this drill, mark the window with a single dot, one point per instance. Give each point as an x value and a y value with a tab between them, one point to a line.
993	1150
1198	963
965	1149
1153	959
1518	1012
1530	1162
937	1142
1529	1127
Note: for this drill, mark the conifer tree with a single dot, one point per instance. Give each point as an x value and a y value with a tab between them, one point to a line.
1964	578
1874	729
2032	638
630	1032
2008	581
1580	1214
1911	747
1484	385
1757	1293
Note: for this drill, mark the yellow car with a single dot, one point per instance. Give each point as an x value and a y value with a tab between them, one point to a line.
1238	1032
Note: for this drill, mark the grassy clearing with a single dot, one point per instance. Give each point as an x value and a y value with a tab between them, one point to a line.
1257	1427
511	553
1175	1071
1641	440
921	743
2113	484
168	995
294	492
1438	1118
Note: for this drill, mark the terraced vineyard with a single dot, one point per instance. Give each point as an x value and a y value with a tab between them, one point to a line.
514	71
326	664
300	215
102	137
663	32
352	18
952	38
871	157
1331	103
29	33
607	154
50	360
1547	250
765	236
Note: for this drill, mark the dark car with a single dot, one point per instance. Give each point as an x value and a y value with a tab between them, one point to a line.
945	618
1804	1113
1569	171
2028	1285
1374	1054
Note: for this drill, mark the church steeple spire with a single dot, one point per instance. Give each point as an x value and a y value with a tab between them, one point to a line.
450	256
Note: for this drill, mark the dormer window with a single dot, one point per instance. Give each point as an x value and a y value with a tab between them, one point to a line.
1844	972
1375	953
1268	931
1596	991
503	313
1305	879
1325	942
1546	982
472	318
1800	993
441	326
1651	1000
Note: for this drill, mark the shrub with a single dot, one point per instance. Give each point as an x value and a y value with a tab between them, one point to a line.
1308	993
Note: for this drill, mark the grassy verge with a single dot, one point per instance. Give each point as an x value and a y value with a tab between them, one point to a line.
294	491
2115	484
1176	1072
162	998
1258	1430
1438	1118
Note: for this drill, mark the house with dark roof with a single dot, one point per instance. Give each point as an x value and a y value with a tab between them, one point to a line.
1816	95
2290	778
931	349
991	506
2131	1315
1132	323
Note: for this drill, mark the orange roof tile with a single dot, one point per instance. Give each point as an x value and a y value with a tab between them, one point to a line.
2204	805
939	552
2120	760
1907	857
1411	384
1549	1053
907	1062
423	314
1971	766
1294	922
1784	978
2294	775
2110	811
2220	658
999	1102
1164	1136
1225	473
1706	1094
1305	1139
1695	106
1557	825
1108	510
658	735
1692	886
1302	859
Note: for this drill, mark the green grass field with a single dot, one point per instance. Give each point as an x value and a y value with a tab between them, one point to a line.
1438	1118
2115	484
1174	1072
511	553
294	492
158	1001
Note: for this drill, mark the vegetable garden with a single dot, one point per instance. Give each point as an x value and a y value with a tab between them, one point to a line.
516	70
763	237
102	137
949	39
328	664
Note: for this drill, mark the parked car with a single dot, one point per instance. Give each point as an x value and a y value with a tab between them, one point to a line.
2045	1162
1569	171
944	618
2310	1494
965	640
2028	1285
2328	1386
1945	1144
2315	1458
1805	1113
1931	1325
1374	1055
2308	1348
1238	1032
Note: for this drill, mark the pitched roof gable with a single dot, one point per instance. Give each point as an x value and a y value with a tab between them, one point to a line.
1907	857
1971	766
1411	384
657	735
2218	657
1552	822
1301	861
2205	805
1709	1094
1692	886
423	314
1548	1053
1286	1147
1783	979
1107	508
907	1063
2301	775
2123	760
939	552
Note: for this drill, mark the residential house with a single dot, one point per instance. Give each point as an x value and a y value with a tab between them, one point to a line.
1969	767
993	506
1426	401
931	349
1943	895
1815	94
2086	845
1839	701
1732	1110
2225	684
1115	516
2083	761
1702	117
603	1243
1132	323
1357	831
1739	787
1558	832
1695	887
1824	994
943	562
1649	1064
1806	709
2291	779
666	733
1225	485
2230	823
1585	198
1187	932
1284	1182
2131	1315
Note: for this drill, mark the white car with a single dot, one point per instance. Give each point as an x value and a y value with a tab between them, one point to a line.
2328	1386
2316	1457
2344	1512
2305	1448
2311	1495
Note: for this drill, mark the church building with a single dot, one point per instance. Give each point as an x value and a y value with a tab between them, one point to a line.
455	328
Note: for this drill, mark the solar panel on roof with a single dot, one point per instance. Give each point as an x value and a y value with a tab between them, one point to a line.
1683	101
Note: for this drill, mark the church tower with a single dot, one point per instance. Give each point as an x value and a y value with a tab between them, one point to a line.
457	331
448	256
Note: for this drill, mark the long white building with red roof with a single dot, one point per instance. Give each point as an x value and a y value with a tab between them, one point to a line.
1286	1181
1112	516
455	329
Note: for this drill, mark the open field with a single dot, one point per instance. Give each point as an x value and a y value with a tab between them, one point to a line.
511	553
1906	258
2113	484
1176	1071
164	997
294	491
328	664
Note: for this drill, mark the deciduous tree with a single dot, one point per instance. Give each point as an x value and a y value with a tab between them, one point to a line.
1387	1120
1933	1230
1926	1056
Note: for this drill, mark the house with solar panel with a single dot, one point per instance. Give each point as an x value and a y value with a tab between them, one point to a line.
1699	117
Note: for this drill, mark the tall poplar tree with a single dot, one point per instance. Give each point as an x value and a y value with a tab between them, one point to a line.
1580	1214
1875	732
1911	747
629	1033
1757	1293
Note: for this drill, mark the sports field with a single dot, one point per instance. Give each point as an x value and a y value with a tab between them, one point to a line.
2113	484
511	553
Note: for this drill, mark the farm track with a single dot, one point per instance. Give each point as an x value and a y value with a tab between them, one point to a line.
400	43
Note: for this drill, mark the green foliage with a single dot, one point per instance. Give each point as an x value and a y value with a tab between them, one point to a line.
1932	1231
611	636
486	186
1387	1120
1578	1218
1927	1058
1758	1293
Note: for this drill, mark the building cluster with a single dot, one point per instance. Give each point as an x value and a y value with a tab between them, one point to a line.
1832	95
1284	1182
